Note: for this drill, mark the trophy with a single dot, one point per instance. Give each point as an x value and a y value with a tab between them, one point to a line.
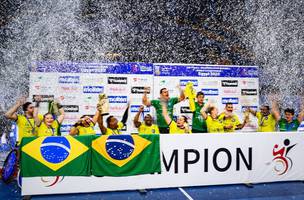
103	104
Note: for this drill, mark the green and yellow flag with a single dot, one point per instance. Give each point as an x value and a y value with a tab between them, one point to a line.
125	155
56	156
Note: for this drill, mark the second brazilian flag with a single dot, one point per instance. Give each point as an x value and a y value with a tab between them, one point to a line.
125	155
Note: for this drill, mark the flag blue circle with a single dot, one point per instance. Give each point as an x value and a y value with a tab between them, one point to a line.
120	147
55	149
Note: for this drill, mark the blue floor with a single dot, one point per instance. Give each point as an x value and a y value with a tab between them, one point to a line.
269	191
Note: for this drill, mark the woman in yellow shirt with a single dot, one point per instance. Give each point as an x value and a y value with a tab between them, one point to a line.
48	126
214	124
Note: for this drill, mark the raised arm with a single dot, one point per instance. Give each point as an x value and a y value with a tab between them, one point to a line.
204	110
95	117
275	108
181	94
301	114
60	118
125	115
253	112
165	113
103	129
12	112
35	114
145	99
136	121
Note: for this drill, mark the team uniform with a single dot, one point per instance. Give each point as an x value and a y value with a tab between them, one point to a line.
214	125
198	122
115	131
144	129
26	127
266	123
174	129
161	122
86	130
227	121
285	126
44	130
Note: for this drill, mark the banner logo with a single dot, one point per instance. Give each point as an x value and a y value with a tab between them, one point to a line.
183	82
118	99
117	80
249	92
229	83
210	92
135	108
70	108
185	109
232	100
44	98
93	89
69	79
282	163
139	90
54	152
120	149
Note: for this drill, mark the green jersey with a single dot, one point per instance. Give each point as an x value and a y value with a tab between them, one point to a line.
198	122
159	111
285	126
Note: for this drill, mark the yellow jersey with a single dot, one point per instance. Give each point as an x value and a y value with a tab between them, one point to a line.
174	129
86	130
144	129
227	121
266	123
26	126
214	125
43	130
115	131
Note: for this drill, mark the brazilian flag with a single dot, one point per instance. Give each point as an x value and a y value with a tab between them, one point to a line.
125	155
56	156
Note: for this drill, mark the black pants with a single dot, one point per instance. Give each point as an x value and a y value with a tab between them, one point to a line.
163	130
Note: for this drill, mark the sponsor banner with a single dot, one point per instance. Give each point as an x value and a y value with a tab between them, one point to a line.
210	92
117	80
230	83
69	79
210	83
232	100
185	109
116	89
93	68
44	98
249	92
140	90
249	83
66	89
65	128
244	108
93	89
205	70
118	99
183	82
230	91
70	108
135	108
196	160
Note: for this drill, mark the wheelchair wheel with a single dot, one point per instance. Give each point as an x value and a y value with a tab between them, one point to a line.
9	166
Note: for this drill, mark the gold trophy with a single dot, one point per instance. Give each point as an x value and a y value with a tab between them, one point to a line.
103	104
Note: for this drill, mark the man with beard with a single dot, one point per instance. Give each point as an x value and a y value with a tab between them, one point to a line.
156	103
267	119
289	123
230	120
147	126
25	122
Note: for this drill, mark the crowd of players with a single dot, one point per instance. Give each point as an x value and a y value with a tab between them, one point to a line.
205	119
